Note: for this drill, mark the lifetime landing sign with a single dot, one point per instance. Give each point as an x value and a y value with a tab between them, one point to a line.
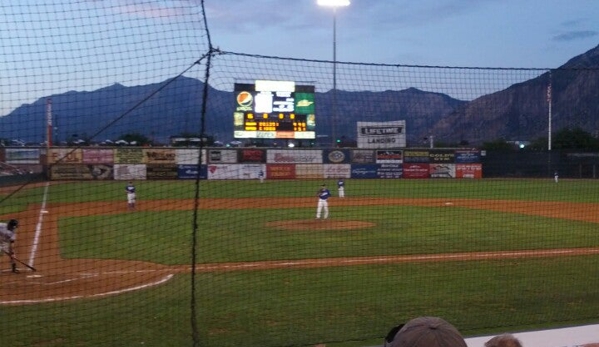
382	134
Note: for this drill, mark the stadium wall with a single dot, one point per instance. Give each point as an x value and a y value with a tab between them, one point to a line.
523	164
140	163
124	163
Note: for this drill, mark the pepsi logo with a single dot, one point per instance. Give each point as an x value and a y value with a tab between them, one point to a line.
244	99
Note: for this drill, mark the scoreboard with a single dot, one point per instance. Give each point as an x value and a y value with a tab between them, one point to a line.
274	110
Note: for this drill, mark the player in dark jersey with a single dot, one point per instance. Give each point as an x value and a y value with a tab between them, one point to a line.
323	202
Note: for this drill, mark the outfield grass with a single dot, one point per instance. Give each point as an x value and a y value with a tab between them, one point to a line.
355	305
498	189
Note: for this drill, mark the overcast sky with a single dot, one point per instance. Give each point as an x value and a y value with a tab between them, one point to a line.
480	33
54	46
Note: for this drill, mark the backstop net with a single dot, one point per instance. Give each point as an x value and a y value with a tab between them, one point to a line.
169	192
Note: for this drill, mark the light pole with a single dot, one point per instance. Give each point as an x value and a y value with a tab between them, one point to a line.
56	138
334	4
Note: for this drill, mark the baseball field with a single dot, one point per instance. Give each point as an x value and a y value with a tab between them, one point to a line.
224	263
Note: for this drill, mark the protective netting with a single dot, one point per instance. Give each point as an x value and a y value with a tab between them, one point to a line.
221	245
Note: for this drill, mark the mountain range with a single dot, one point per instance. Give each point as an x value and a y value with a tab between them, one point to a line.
173	107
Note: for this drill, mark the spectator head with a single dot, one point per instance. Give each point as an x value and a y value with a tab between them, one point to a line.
391	334
426	332
503	340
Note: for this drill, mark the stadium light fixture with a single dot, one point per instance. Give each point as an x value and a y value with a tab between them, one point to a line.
334	4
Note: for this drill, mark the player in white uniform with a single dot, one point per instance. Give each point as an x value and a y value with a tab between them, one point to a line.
323	204
131	196
7	239
341	188
261	176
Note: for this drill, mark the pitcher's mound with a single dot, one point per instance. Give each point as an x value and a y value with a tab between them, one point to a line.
319	224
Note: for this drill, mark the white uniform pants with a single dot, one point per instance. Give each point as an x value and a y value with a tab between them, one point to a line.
323	206
131	198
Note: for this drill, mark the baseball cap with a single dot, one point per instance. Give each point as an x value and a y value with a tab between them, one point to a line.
428	332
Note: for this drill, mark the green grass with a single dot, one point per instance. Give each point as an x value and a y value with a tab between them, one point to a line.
354	306
304	307
226	235
498	189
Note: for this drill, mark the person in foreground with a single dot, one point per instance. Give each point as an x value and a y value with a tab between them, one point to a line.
503	340
7	239
425	332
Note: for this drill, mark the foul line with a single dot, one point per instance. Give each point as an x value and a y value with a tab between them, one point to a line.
86	296
38	227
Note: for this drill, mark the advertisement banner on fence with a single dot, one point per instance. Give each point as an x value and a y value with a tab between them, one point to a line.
337	170
442	170
189	156
65	156
280	171
390	171
416	156
19	169
98	156
160	155
362	156
309	171
336	156
128	156
81	172
441	156
126	172
22	156
467	156
252	171
252	155
382	134
282	156
364	171
161	172
416	170
222	156
469	171
223	172
389	157
191	172
234	171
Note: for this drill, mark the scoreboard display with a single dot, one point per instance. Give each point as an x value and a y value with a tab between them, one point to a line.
274	110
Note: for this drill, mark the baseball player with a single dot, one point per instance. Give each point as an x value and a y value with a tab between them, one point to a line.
131	196
261	176
7	239
341	188
323	204
555	177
